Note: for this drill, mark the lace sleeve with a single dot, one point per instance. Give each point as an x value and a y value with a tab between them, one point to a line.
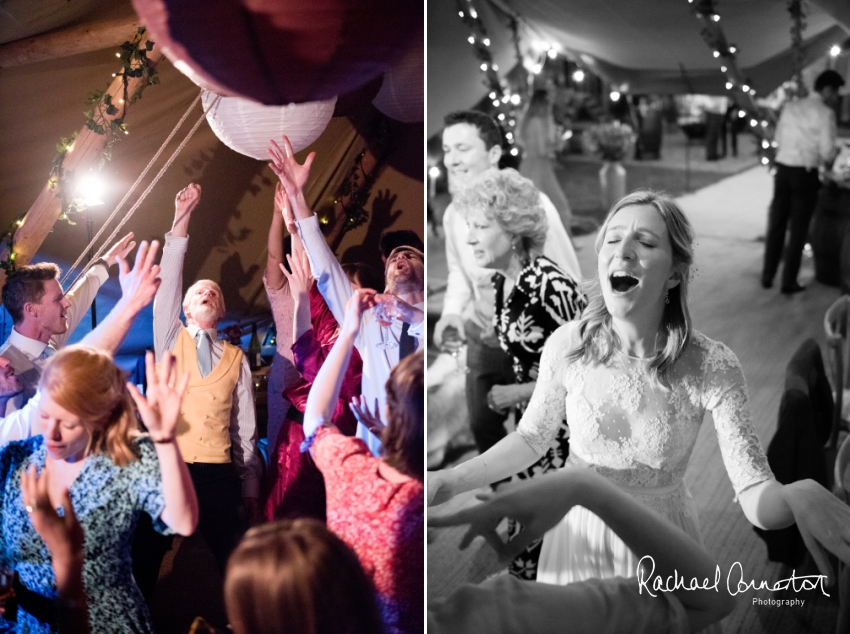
725	395
547	407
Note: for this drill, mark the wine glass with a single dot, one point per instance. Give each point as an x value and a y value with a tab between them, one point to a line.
385	313
453	343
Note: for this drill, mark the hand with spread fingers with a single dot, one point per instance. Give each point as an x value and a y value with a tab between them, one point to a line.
371	420
139	284
292	174
120	249
282	204
300	277
160	409
537	504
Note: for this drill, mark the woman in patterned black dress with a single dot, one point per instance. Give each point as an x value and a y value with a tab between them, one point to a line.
507	229
93	448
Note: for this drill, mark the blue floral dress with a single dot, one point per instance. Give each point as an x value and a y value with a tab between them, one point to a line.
108	501
543	299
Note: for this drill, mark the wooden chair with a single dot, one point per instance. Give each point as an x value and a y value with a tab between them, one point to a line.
841	488
836	323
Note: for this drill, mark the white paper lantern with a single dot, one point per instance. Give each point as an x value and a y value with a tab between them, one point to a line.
402	95
246	126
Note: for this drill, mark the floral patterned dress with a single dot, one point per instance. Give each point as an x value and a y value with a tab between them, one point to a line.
543	299
382	521
640	436
108	501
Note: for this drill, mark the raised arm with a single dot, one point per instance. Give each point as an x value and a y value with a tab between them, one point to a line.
138	287
166	308
159	410
324	394
82	294
300	280
540	503
332	281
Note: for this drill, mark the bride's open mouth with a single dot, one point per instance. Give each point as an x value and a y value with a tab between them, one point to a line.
622	282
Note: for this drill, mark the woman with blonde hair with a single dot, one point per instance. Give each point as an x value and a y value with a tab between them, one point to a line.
534	297
94	451
297	577
376	505
636	380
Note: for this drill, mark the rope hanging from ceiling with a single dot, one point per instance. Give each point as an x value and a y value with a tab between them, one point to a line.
144	195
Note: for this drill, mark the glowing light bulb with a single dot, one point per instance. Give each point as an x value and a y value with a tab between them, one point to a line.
615	95
753	122
835	51
434	172
578	75
514	151
471	39
501	116
552	53
765	160
728	85
515	99
742	113
745	88
486	41
716	54
722	69
484	66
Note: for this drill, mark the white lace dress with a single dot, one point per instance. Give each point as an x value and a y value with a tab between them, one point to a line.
640	437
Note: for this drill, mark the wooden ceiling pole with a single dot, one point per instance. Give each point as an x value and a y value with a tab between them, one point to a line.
88	146
74	40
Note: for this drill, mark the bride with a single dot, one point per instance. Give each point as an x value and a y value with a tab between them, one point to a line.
636	381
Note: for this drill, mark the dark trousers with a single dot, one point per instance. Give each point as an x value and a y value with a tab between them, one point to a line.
149	549
795	194
221	519
488	366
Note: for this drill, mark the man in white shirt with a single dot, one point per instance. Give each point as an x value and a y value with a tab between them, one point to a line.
405	279
138	287
805	135
472	144
44	316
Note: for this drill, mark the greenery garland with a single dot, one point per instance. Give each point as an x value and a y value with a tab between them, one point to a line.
799	10
134	64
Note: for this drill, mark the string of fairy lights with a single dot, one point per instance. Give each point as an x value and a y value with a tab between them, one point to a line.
504	101
761	120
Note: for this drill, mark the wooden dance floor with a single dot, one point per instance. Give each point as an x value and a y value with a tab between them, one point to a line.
764	329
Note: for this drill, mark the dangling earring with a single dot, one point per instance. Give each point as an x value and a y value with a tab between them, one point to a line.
667	296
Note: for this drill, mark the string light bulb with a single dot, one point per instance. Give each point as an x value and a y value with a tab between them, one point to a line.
835	51
486	41
471	39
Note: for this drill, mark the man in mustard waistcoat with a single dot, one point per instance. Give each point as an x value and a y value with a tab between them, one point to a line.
217	432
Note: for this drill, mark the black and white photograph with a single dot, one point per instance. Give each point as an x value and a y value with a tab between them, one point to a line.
638	316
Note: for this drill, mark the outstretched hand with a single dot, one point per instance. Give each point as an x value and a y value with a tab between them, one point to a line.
823	521
161	408
120	249
63	535
530	502
371	420
281	204
301	278
139	285
292	175
362	300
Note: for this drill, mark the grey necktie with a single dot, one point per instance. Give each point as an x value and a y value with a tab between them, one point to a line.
48	352
204	352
